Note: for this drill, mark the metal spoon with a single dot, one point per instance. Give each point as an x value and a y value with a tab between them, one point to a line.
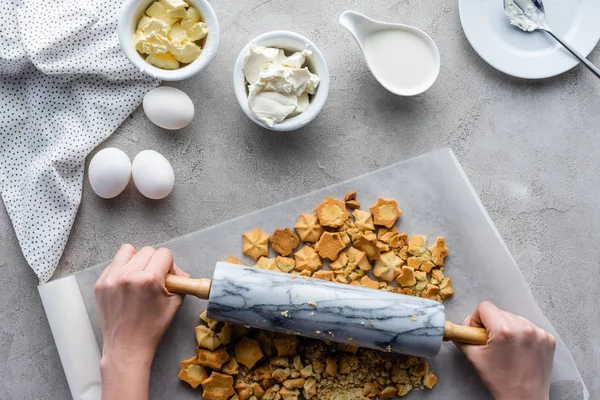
529	16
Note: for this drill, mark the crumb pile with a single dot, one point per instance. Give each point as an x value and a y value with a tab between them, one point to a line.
363	248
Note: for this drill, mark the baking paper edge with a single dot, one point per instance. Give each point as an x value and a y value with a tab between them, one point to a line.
586	394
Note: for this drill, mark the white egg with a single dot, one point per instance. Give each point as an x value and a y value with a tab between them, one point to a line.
168	107
153	174
109	172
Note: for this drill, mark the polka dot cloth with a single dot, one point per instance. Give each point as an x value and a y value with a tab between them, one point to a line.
65	86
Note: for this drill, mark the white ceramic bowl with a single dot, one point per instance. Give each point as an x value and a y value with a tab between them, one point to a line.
289	42
131	13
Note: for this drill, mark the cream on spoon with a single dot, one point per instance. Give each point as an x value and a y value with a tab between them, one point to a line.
529	16
404	59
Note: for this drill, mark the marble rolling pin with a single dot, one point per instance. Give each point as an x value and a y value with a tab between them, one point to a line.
326	310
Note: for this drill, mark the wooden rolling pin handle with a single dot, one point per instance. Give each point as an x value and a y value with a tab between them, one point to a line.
465	334
180	284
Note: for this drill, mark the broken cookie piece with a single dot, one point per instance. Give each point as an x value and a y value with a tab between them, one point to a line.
332	212
231	367
192	373
329	245
357	258
218	387
289	394
385	212
350	201
255	243
386	235
309	389
429	380
267	263
439	251
212	324
331	367
225	334
430	292
233	260
436	276
352	204
407	277
446	288
417	245
307	259
285	264
212	359
339	263
368	244
326	275
286	345
307	273
284	241
369	283
363	220
248	352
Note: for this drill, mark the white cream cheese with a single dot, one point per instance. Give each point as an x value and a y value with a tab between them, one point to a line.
278	86
524	14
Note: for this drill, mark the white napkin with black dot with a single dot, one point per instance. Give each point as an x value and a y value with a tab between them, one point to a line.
65	86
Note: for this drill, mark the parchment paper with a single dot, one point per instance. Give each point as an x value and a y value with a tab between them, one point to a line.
73	336
437	199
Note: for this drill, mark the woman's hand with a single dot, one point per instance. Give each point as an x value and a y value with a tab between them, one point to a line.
135	310
516	362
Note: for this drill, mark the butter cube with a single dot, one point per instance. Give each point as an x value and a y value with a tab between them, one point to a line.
197	31
191	17
159	11
174	4
152	43
185	52
150	24
177	34
175	8
164	61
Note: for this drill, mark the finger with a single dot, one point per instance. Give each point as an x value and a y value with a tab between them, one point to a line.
160	263
178	271
139	261
124	254
465	348
489	316
486	315
469	321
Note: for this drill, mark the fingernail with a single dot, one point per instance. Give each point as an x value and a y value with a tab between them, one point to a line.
467	319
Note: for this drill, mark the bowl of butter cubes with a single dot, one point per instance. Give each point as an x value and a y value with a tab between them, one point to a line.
169	40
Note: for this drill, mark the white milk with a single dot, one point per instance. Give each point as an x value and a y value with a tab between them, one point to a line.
400	59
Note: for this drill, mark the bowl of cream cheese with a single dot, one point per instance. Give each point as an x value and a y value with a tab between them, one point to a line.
281	80
169	40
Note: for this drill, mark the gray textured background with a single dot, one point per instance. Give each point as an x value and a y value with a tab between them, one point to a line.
529	148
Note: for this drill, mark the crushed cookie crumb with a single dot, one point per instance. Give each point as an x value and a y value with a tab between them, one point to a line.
371	252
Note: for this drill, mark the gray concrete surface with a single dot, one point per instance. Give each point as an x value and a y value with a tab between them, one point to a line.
529	148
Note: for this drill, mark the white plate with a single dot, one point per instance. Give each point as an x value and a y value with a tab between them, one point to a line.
531	55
